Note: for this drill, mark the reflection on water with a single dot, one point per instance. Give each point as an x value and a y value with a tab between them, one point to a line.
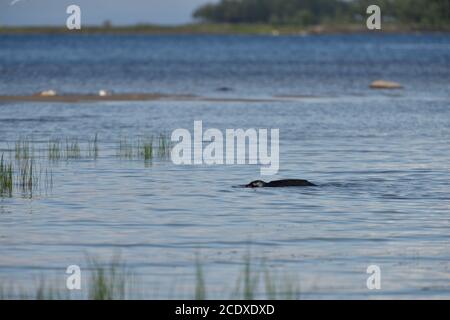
380	161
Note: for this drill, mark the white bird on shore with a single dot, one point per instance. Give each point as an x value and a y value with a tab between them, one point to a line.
104	93
48	93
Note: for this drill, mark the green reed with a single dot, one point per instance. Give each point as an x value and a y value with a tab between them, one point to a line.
108	282
285	287
247	281
6	178
164	146
113	281
148	151
200	290
27	179
93	148
125	149
253	284
145	149
23	149
72	149
54	150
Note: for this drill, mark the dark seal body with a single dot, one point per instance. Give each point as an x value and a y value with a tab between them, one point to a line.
280	183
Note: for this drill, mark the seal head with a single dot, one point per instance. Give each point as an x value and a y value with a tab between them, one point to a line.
256	184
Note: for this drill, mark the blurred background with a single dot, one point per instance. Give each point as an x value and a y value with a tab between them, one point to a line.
433	14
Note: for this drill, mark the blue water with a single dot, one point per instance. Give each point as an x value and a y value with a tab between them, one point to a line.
380	160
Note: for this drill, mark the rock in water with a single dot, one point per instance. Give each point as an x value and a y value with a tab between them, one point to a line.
383	84
224	89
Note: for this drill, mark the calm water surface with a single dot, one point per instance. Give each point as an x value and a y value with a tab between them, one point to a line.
381	160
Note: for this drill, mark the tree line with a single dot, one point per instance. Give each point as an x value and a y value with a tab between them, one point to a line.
431	13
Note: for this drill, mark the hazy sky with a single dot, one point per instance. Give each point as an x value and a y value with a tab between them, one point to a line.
119	12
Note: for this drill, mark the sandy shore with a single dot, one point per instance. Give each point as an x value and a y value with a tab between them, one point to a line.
79	98
91	97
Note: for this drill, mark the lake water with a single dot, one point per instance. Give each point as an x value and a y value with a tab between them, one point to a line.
380	160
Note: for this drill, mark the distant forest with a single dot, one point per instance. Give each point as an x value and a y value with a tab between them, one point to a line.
429	13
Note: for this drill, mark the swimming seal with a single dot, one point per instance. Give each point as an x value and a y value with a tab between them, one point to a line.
280	183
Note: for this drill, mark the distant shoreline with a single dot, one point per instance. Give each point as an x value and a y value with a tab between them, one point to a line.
226	29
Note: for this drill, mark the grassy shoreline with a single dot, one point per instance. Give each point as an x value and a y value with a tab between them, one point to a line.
226	29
